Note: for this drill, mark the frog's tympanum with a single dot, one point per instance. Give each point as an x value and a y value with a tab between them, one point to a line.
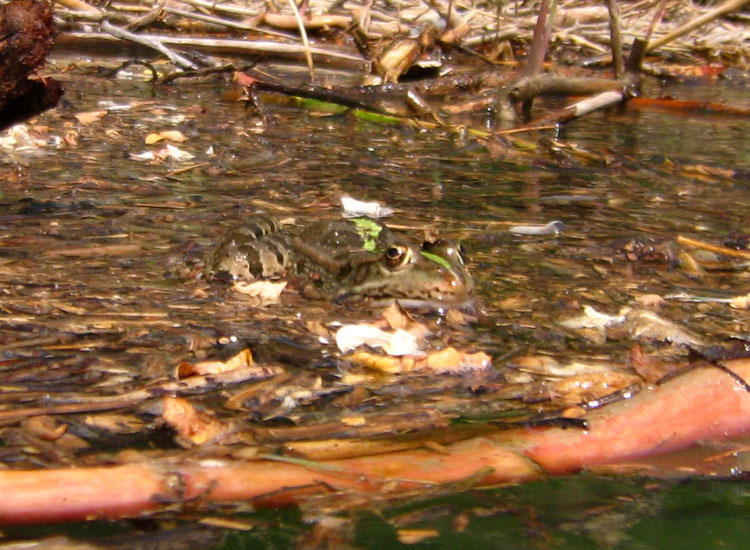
345	260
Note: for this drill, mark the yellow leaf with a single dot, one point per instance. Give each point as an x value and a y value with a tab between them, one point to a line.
153	138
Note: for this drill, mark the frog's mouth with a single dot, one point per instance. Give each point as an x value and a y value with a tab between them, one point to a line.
454	291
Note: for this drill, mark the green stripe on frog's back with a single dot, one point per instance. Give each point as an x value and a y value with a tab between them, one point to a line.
370	231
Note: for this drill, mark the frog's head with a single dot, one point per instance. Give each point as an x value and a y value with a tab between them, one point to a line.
432	275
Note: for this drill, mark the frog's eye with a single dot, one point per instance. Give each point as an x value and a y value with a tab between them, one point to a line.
396	256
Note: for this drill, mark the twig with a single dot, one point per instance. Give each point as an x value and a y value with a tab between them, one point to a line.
150	42
227	46
615	37
305	42
149	17
657	17
723	250
80	6
579	109
216	20
216	6
726	7
541	38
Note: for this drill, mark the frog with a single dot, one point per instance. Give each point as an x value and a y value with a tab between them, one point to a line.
345	261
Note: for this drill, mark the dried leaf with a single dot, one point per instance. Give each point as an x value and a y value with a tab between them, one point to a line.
264	289
740	302
192	426
590	387
170	135
446	361
647	324
398	342
391	365
44	427
354	208
354	421
414	536
395	317
173	135
241	360
115	423
177	154
153	138
452	361
90	117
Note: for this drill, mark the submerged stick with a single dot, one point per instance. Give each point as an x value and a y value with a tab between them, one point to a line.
705	403
723	250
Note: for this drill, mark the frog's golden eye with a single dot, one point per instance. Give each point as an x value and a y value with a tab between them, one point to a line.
396	256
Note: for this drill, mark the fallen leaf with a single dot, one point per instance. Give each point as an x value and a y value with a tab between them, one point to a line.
398	342
446	361
178	154
192	426
241	360
115	423
44	427
144	155
170	135
90	117
265	289
647	324
740	302
452	361
414	536
354	421
354	208
383	363
395	317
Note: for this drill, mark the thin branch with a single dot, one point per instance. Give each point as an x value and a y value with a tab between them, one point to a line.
305	42
615	37
150	42
726	7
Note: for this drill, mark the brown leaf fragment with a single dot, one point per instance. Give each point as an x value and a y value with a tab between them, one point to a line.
397	58
115	423
446	361
648	368
89	117
263	289
70	442
452	361
388	363
740	302
192	426
414	536
590	387
395	316
170	135
241	360
44	427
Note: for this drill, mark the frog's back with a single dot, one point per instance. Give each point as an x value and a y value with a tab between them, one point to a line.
257	249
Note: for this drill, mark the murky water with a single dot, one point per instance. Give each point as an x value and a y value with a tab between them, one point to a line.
635	174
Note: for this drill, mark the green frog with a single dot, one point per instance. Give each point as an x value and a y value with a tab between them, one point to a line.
345	260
